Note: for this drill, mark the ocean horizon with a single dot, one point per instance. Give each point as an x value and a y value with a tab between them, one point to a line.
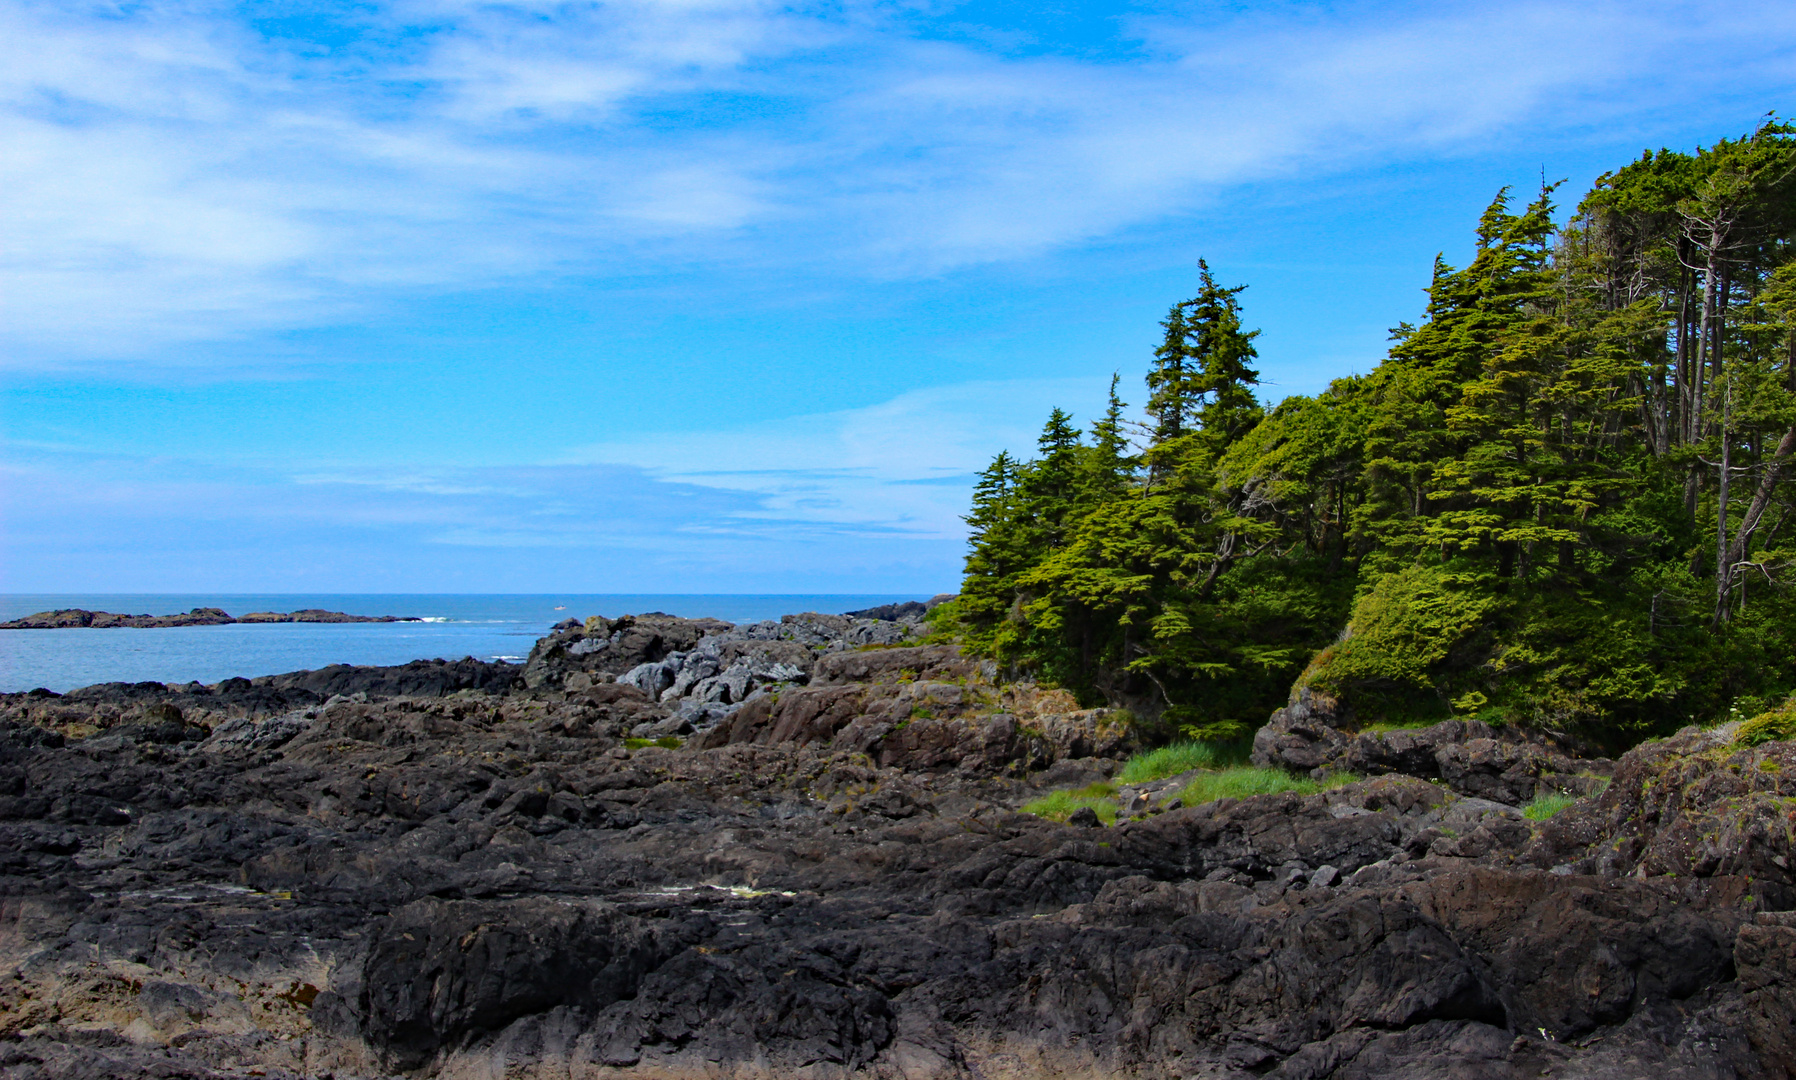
487	626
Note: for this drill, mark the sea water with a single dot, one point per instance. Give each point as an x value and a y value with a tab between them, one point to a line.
487	627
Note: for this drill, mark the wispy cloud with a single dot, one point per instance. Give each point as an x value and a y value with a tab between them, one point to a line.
177	172
855	499
903	466
83	521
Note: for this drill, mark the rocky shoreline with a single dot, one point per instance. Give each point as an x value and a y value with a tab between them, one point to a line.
72	618
678	848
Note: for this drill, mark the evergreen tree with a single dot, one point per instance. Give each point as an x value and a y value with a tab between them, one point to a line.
1563	500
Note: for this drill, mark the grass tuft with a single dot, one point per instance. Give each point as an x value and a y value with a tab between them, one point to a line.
1545	806
1243	781
667	742
1170	761
1061	804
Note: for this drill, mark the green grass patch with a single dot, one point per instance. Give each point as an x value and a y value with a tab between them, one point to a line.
1242	781
1171	761
1060	805
1545	806
666	742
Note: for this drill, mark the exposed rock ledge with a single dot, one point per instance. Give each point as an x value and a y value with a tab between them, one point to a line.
1313	734
479	879
69	618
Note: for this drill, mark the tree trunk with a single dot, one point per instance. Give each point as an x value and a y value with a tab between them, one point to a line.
1682	403
1724	567
1700	364
1761	498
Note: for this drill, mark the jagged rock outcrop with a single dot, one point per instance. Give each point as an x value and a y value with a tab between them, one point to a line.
705	668
1692	806
1316	734
490	882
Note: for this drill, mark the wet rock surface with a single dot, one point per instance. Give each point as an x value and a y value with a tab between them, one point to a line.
477	877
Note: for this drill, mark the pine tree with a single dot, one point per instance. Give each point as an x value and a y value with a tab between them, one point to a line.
1222	352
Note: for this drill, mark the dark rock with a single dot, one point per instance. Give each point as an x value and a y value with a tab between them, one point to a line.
211	616
472	877
1314	734
1692	807
909	609
1084	818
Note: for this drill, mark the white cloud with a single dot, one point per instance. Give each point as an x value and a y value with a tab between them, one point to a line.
903	466
173	175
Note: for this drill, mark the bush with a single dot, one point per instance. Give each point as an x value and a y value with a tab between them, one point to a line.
1774	726
1545	806
1406	626
1060	805
1243	781
1171	761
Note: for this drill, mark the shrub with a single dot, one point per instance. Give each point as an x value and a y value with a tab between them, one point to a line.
1545	806
1404	628
1243	781
1773	726
1060	805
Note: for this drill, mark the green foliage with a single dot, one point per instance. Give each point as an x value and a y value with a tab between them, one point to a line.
1545	806
666	742
1777	725
1244	781
1060	805
1404	634
1562	500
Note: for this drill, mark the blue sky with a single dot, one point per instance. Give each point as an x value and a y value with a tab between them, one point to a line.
708	295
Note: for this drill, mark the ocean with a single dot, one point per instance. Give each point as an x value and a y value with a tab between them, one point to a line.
488	627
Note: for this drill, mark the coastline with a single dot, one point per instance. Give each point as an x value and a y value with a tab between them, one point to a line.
82	618
489	627
685	848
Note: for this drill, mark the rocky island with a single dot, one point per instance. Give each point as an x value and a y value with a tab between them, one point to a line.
68	618
670	848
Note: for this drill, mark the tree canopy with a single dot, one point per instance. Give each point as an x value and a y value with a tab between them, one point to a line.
1562	500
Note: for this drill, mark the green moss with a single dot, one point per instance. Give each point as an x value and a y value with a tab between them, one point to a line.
1385	726
1243	781
1773	726
1545	806
667	742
